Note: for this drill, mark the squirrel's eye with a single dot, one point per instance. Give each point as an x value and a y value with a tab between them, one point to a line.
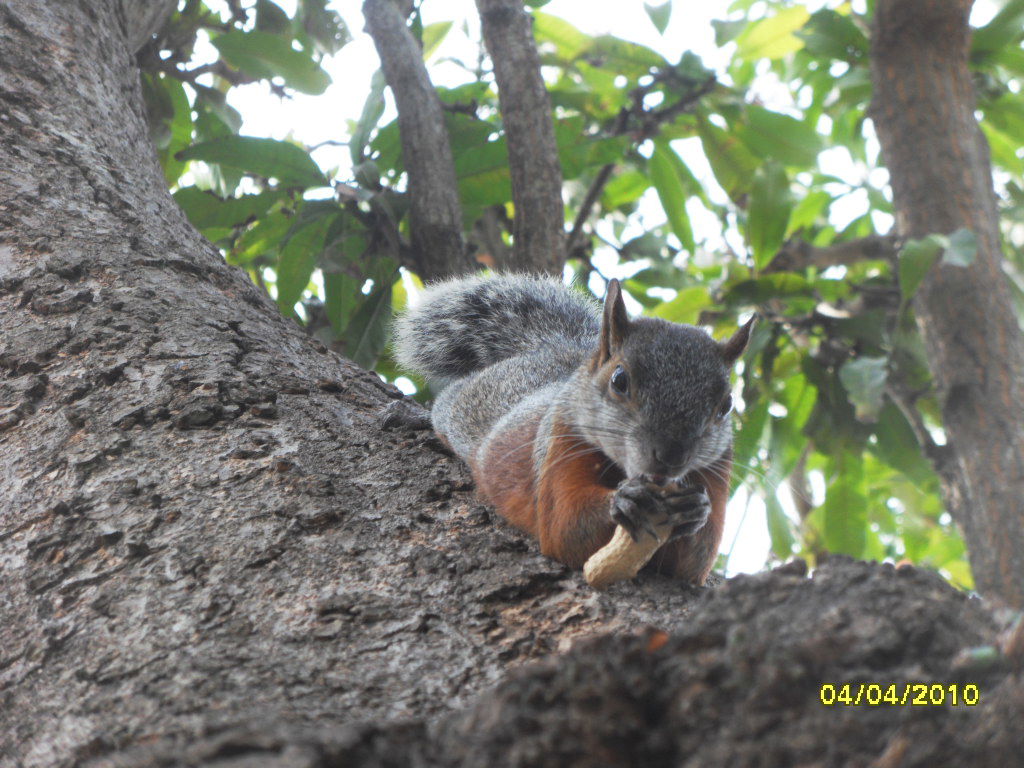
725	407
620	381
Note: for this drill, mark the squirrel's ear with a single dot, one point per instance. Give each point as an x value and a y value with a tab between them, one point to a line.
733	347
614	323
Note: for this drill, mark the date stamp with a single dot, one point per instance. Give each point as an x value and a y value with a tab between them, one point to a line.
899	694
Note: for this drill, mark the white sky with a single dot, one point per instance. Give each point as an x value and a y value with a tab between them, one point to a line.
316	119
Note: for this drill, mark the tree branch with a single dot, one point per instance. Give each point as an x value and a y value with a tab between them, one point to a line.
539	224
435	214
797	255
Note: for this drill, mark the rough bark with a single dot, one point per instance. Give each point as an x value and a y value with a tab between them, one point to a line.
739	684
538	227
205	517
435	215
923	109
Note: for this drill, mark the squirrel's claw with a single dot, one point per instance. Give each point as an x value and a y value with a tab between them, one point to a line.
640	499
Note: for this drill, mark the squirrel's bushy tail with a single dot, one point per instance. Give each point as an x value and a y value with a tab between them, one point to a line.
460	326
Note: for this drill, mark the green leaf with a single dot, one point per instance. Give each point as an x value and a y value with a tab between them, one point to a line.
298	260
216	102
915	259
843	516
731	161
748	439
897	446
373	108
773	38
269	158
180	128
671	192
768	214
433	35
727	31
659	15
1004	149
832	35
262	239
775	136
686	306
625	58
568	42
777	285
270	18
807	211
578	151
1005	28
961	249
864	379
780	527
483	177
325	28
367	332
205	209
623	189
264	55
341	298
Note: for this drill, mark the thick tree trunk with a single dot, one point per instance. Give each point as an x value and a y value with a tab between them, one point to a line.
923	109
204	515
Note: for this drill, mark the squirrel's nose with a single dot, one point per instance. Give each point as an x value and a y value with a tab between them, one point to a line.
671	456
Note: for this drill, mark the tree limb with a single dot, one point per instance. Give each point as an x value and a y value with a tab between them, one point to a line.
438	249
539	224
796	255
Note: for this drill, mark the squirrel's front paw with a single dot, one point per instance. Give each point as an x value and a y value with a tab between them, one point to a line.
640	503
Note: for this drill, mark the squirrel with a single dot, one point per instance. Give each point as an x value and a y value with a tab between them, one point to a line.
574	420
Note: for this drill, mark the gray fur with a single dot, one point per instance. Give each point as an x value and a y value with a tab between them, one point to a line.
463	325
503	347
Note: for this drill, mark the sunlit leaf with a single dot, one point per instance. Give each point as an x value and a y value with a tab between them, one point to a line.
686	306
265	55
671	192
433	36
268	158
768	214
731	161
808	210
567	41
772	37
624	189
774	136
205	210
833	35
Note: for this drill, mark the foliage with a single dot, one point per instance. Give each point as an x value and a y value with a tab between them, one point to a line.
837	398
